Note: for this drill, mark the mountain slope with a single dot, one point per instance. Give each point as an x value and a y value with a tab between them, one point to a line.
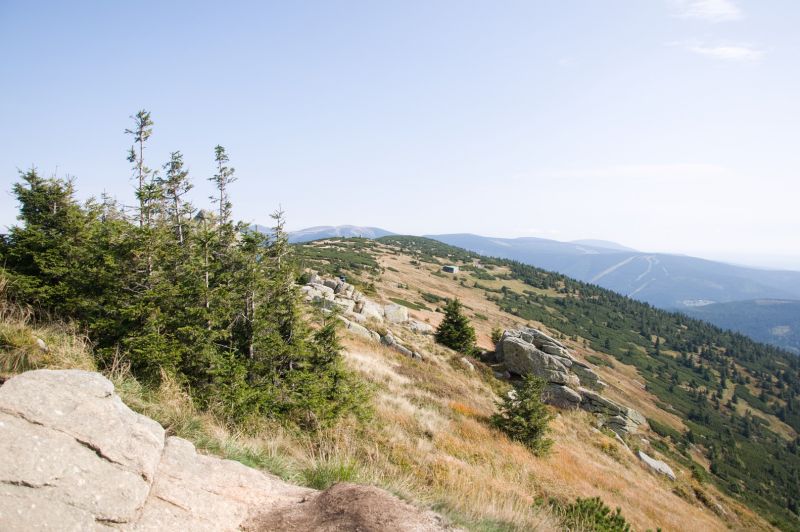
663	280
722	406
774	321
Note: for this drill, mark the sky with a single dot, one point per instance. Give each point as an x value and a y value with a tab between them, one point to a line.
665	125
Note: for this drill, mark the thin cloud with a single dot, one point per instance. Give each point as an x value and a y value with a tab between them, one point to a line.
709	10
727	52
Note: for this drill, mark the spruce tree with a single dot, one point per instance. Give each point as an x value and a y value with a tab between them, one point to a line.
455	330
523	416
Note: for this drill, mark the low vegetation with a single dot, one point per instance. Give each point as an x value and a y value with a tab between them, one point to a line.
455	330
523	416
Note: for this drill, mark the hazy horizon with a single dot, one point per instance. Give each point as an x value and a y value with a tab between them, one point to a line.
669	127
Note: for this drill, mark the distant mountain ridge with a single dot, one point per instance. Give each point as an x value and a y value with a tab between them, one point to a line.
726	295
319	232
664	280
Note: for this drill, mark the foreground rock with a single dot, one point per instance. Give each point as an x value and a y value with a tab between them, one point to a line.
75	457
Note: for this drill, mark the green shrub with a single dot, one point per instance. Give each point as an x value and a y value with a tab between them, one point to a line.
323	475
455	330
431	298
590	514
408	304
524	417
598	361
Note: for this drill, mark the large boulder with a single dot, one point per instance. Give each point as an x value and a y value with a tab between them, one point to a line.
523	358
372	310
75	458
587	376
395	313
597	404
561	396
344	304
656	465
360	330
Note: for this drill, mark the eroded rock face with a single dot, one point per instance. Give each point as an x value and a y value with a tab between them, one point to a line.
75	457
561	396
523	358
529	351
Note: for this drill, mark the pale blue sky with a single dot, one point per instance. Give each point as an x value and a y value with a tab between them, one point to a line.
669	125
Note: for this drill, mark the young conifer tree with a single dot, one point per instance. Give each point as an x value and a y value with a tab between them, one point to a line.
523	416
455	330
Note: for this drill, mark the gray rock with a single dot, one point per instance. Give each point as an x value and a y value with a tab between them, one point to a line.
82	460
561	396
372	310
596	403
344	304
657	465
360	330
74	444
523	358
196	492
403	350
420	327
388	339
587	376
354	316
332	283
395	313
326	291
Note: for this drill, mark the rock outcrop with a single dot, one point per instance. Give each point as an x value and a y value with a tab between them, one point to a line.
656	465
569	381
357	312
75	457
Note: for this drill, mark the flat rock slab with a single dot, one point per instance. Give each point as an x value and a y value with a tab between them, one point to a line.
657	465
75	457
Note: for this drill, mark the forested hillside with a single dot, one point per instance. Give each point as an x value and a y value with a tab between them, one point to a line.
774	321
739	400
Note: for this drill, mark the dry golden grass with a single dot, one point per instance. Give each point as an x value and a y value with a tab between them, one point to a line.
428	440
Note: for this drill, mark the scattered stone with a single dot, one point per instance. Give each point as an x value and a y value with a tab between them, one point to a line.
657	465
344	304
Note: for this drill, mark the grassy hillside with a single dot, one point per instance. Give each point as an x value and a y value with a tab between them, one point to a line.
428	439
727	408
